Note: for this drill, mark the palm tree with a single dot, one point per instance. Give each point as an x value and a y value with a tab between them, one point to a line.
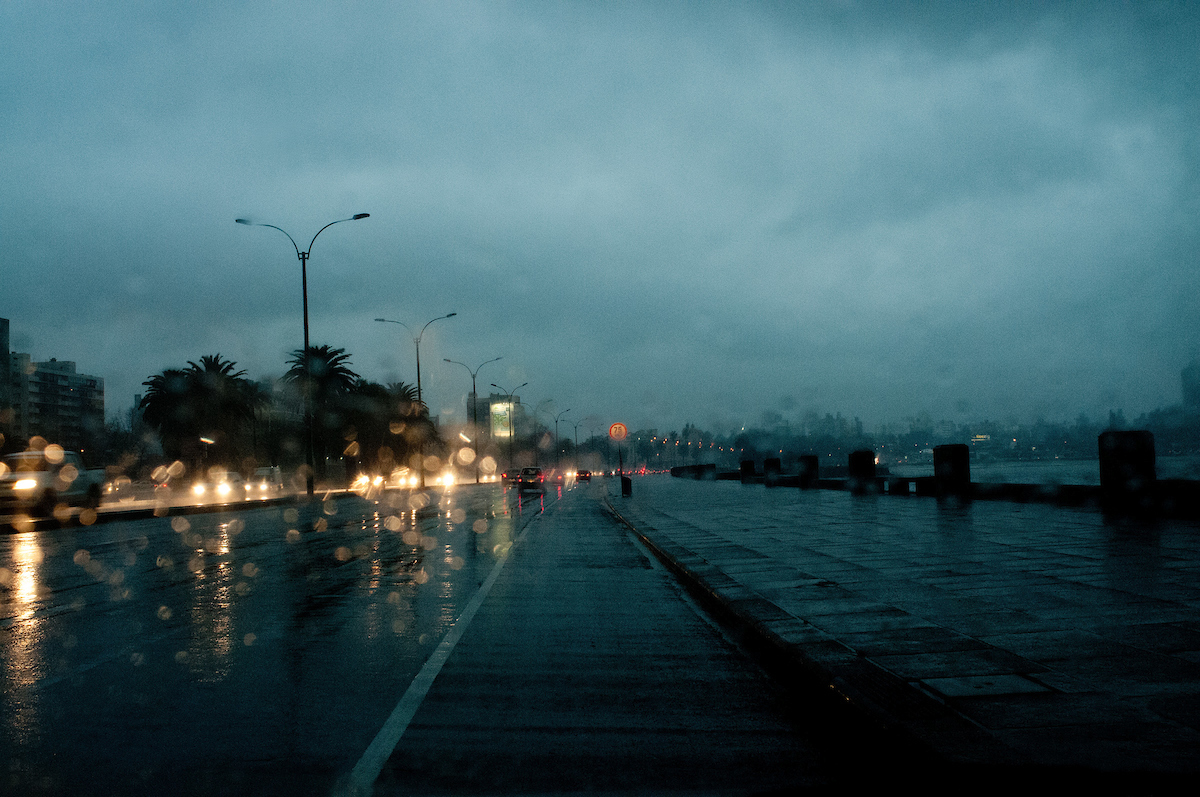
168	408
323	377
411	427
210	399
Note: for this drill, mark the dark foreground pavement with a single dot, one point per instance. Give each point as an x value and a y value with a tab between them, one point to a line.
588	670
1003	637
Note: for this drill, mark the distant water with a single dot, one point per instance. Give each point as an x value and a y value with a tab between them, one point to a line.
1055	471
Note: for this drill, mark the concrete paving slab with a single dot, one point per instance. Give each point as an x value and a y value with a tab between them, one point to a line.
983	685
1072	638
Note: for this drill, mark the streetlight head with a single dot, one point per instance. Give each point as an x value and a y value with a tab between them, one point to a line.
243	221
381	319
358	216
451	315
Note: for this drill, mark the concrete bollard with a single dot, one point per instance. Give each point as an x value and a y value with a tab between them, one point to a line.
747	471
952	470
862	472
809	471
1127	474
771	469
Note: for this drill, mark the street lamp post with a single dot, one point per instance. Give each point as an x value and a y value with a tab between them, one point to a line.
474	407
577	424
557	447
303	256
420	400
512	418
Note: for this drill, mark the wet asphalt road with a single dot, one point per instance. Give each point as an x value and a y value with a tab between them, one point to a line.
258	646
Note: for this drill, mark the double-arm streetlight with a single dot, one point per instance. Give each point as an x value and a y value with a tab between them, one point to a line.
303	256
474	407
577	424
557	447
420	400
512	418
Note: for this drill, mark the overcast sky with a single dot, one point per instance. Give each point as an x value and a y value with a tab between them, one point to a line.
655	212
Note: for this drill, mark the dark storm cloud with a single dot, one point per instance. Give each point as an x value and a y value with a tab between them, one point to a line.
659	212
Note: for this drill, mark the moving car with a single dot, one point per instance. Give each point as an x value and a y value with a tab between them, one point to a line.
583	475
267	481
531	479
38	481
220	487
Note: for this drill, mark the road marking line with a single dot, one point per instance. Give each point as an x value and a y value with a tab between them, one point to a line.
363	776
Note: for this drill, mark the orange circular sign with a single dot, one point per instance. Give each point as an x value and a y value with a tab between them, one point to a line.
617	431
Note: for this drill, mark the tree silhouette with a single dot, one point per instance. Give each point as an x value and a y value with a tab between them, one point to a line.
322	376
210	399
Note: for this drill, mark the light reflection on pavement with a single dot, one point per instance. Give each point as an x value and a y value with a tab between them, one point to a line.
157	652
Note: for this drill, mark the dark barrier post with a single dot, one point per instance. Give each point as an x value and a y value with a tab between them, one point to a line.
626	486
809	471
747	471
1127	475
952	470
862	471
771	468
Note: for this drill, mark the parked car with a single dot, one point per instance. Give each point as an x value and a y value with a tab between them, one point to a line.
531	479
37	481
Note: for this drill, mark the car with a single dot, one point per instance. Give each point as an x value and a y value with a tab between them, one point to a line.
531	479
583	475
510	476
220	487
267	481
38	481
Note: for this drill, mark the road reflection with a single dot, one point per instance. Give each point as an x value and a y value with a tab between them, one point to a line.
279	632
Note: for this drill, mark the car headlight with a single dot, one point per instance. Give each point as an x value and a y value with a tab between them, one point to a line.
25	484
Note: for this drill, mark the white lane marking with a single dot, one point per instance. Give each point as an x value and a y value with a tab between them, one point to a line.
363	776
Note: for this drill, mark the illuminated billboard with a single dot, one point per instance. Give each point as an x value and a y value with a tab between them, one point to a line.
502	419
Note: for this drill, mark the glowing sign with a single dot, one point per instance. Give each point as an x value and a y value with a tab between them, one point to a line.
618	431
502	419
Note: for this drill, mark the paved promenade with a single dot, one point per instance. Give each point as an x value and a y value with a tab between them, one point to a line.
994	633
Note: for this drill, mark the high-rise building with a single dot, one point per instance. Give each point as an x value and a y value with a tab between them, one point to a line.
1190	378
50	399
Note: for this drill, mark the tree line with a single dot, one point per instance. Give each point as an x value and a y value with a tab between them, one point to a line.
210	414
